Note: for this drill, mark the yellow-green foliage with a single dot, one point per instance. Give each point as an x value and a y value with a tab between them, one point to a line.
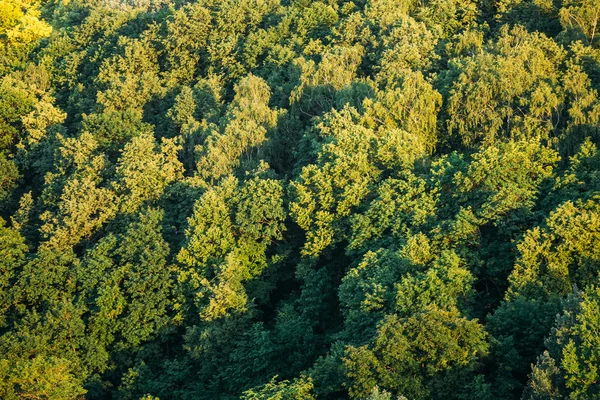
296	199
21	22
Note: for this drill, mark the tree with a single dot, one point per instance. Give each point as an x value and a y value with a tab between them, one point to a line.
128	281
21	23
244	133
16	101
129	79
297	389
560	255
144	171
582	16
569	368
227	239
352	152
20	26
498	95
85	203
39	378
10	175
409	351
12	253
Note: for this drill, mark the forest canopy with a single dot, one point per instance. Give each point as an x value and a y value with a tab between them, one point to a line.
296	199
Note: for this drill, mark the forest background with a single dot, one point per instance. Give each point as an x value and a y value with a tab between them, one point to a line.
294	199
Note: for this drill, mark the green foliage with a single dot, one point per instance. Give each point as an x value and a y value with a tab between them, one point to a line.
39	378
583	17
130	281
245	129
269	199
85	204
353	151
511	90
569	369
10	174
408	350
561	255
130	79
285	390
227	239
143	173
12	254
115	128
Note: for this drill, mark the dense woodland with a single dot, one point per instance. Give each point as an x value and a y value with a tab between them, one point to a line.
295	199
